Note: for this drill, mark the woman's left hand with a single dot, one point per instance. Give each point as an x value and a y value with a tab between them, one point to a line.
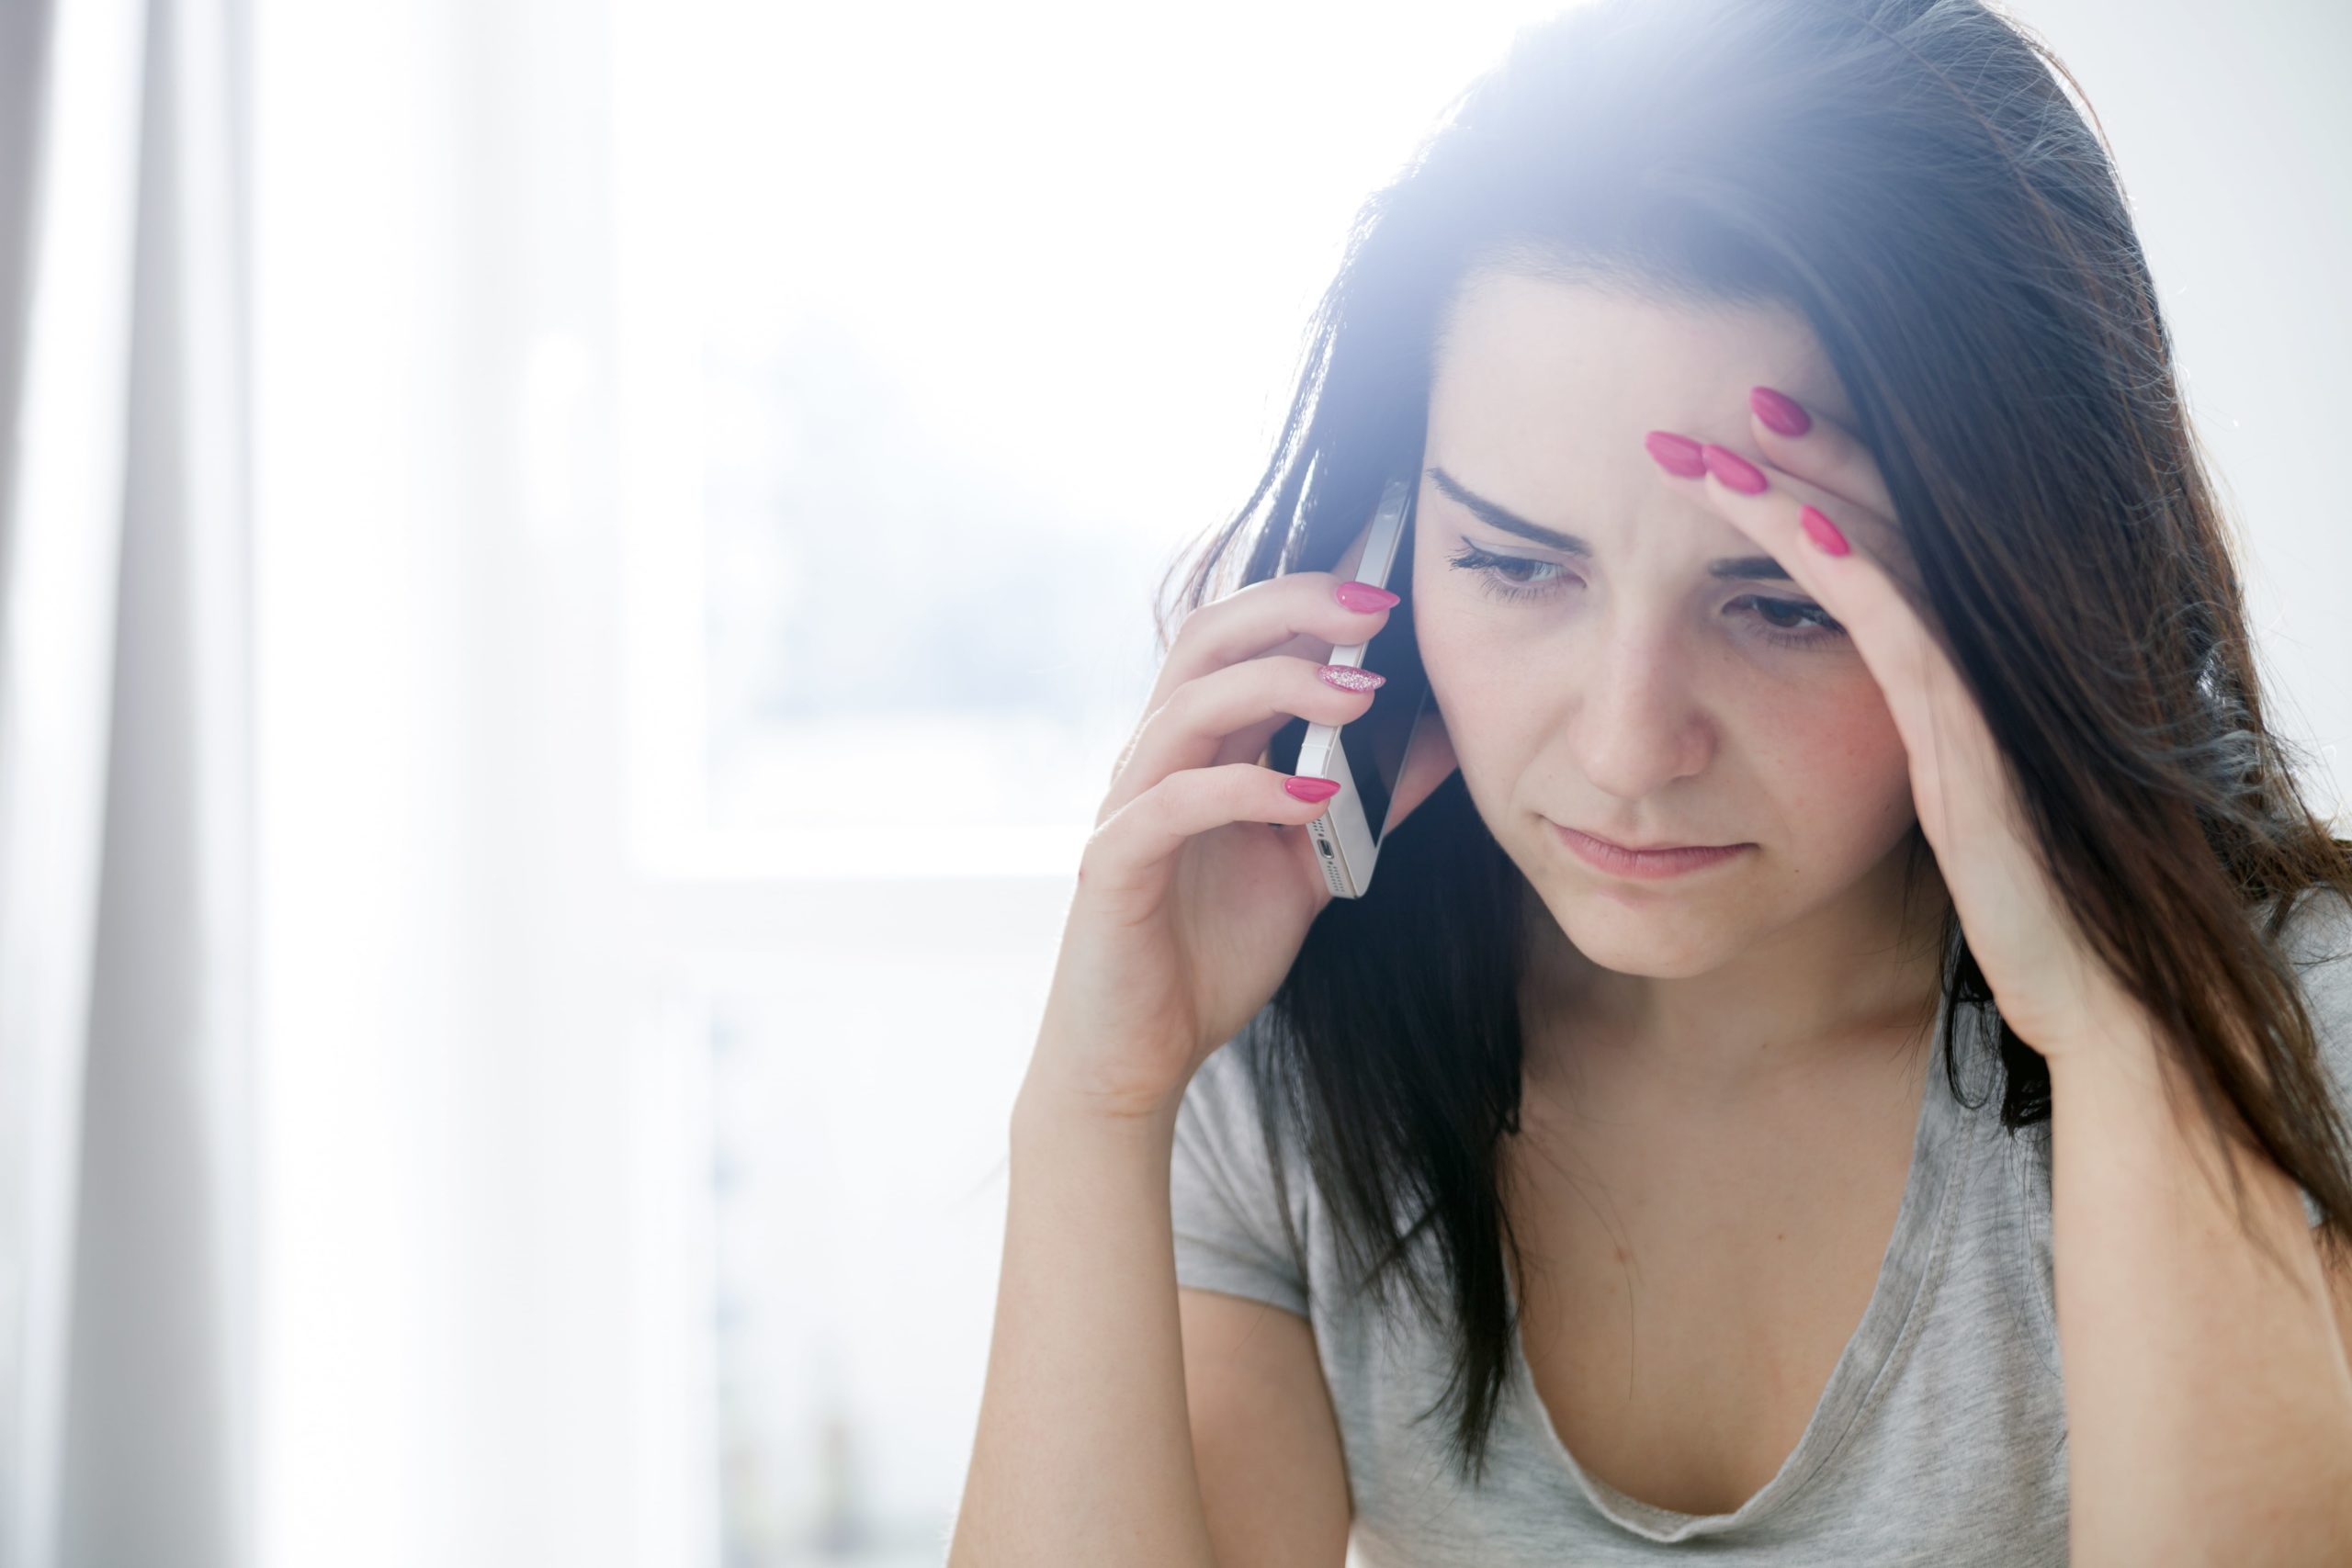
1819	506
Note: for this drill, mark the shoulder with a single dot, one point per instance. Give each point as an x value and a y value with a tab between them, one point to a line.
1227	1095
2318	925
1240	1111
2316	940
1241	1202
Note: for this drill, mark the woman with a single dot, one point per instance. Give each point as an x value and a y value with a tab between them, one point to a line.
1803	476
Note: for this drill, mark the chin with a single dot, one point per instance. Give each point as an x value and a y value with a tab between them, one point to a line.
1640	934
1667	957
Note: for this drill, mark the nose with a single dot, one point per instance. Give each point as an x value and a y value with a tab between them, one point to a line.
1641	720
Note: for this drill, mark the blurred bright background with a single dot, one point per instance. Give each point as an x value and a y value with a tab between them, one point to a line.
708	467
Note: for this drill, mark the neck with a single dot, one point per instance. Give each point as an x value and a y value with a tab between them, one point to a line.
1854	984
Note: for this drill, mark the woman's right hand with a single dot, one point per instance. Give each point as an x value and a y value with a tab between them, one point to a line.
1196	888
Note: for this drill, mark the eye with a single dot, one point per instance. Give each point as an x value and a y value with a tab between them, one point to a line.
1783	622
1493	573
1787	633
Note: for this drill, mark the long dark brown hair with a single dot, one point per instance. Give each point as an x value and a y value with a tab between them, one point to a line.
1912	178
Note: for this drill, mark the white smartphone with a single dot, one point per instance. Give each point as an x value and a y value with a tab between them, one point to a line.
1367	755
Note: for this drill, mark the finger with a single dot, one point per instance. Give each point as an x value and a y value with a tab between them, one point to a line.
1208	721
1855	587
1131	854
1765	502
1894	640
1816	449
1298	611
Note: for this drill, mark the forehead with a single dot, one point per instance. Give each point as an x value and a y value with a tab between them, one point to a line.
1549	386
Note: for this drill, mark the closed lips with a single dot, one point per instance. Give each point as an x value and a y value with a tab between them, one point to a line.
1645	849
1660	862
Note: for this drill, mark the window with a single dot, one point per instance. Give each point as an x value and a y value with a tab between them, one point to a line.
940	335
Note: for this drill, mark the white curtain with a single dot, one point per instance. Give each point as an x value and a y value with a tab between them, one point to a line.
125	1195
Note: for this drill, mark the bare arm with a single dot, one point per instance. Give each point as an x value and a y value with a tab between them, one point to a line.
2206	1393
1273	1470
1085	1453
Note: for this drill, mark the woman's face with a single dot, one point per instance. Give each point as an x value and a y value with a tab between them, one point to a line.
1628	692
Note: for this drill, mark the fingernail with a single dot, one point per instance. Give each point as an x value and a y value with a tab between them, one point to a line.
1348	678
1733	469
1364	596
1822	531
1307	788
1676	454
1779	410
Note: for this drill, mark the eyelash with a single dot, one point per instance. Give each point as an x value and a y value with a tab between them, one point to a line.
1489	568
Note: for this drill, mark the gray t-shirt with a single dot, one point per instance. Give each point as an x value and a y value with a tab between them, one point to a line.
1941	1438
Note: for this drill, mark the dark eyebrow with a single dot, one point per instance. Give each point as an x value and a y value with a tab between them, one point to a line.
1734	568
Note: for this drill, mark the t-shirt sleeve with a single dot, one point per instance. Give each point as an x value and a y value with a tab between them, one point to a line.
2318	938
1229	1228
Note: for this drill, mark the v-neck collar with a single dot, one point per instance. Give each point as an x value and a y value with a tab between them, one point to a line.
1939	1147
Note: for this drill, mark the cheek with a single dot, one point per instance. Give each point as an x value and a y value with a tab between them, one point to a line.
1491	730
1839	764
1461	664
1441	649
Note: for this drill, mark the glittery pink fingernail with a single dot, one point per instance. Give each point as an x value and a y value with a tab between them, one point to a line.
1348	678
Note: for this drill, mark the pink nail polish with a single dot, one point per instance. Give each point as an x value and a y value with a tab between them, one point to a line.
1733	469
1307	788
1675	453
1821	531
1779	410
1363	596
1348	678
